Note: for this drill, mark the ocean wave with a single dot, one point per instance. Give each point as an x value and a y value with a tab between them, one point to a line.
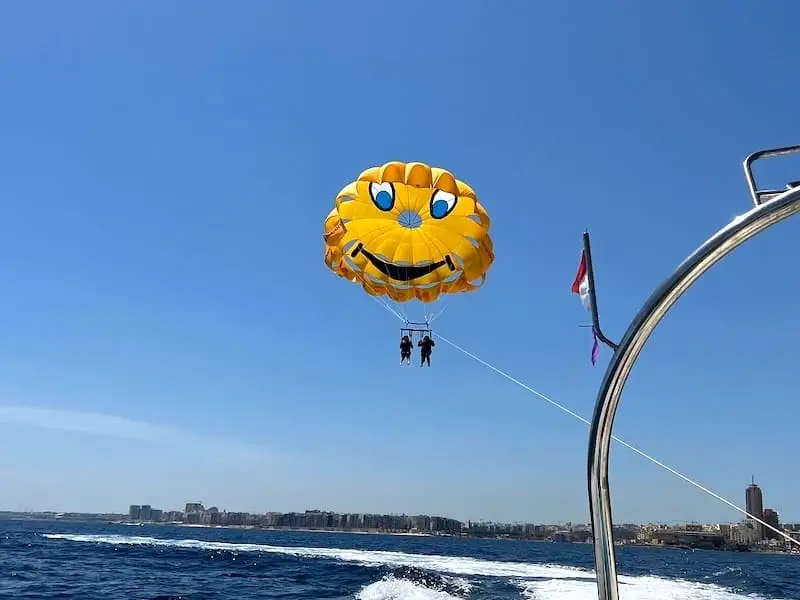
393	588
634	588
457	565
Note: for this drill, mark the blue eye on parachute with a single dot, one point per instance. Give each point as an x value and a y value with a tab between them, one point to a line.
442	204
382	195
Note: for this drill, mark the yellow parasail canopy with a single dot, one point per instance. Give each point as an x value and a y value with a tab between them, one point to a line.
409	231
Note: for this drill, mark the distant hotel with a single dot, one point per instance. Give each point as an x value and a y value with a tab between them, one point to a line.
196	514
145	512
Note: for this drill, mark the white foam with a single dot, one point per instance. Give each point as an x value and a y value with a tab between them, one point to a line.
631	588
390	588
536	581
456	565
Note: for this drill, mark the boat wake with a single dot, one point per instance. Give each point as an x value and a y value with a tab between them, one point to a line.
437	577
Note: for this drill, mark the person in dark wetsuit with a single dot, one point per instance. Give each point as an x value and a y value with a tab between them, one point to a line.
405	350
426	344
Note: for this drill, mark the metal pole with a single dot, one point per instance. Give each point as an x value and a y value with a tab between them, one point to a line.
587	249
655	308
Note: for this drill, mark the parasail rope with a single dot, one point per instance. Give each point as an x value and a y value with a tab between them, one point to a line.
624	443
386	305
437	315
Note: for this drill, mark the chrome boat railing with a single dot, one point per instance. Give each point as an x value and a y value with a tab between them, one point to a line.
771	207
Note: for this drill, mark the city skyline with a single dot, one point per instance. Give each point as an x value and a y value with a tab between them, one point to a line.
170	328
770	515
743	535
754	505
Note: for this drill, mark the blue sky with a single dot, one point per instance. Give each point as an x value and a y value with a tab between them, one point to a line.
169	332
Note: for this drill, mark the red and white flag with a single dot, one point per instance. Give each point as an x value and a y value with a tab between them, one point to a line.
581	287
581	284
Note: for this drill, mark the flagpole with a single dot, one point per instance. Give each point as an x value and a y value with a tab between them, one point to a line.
587	249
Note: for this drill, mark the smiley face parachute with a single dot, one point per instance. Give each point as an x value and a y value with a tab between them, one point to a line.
408	231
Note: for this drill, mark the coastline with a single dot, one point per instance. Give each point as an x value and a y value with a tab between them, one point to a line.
115	519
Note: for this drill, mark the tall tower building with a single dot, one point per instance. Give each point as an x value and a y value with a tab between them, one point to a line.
754	503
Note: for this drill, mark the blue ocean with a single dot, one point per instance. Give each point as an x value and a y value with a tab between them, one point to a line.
53	559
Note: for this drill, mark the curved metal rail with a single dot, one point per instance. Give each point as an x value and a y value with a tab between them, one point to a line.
741	229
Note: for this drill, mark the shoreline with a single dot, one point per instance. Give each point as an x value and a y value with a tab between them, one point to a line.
617	544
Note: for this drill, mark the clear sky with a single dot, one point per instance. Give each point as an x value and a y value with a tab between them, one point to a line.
169	332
